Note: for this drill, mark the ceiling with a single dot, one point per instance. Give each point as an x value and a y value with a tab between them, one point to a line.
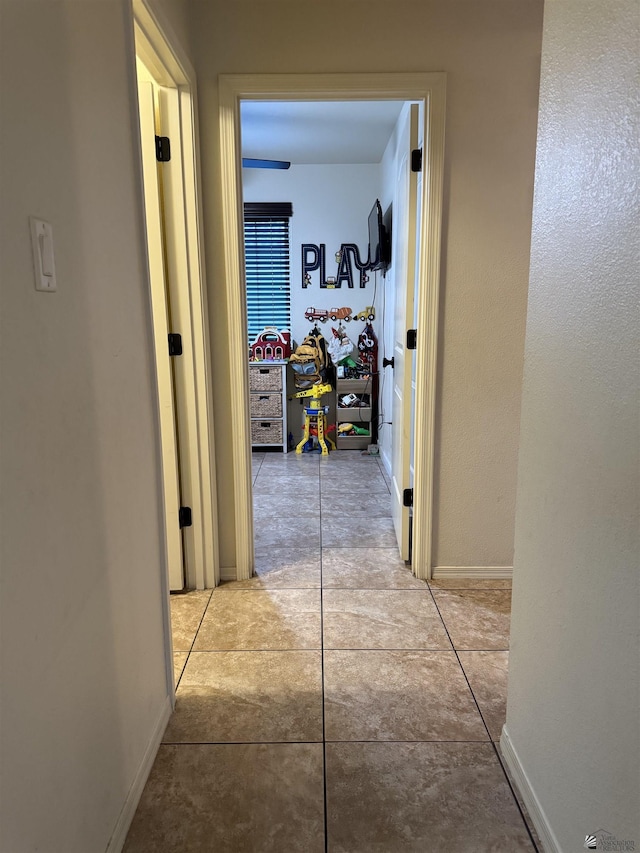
318	132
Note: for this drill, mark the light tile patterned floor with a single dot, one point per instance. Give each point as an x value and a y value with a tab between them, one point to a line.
333	702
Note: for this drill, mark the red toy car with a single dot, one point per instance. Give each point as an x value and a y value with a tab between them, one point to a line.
316	314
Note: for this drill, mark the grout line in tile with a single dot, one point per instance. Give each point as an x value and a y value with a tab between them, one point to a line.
324	732
385	649
190	649
201	620
404	740
376	589
491	741
480	650
323	473
238	742
294	742
473	695
251	651
515	796
179	678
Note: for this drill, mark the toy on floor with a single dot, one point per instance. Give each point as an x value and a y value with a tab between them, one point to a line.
315	418
351	429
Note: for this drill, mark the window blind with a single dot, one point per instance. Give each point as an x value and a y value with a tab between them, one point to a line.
266	242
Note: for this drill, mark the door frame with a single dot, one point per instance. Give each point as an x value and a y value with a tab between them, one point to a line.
163	57
426	87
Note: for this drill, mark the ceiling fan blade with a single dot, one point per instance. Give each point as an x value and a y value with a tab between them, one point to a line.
251	163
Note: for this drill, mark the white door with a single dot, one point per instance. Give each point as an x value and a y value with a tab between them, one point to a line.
404	265
153	214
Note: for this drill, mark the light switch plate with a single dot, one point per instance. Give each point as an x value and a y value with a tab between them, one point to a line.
42	249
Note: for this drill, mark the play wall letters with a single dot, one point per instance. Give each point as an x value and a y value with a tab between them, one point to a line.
314	258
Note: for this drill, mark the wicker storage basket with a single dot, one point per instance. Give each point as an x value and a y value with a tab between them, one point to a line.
266	432
265	378
266	405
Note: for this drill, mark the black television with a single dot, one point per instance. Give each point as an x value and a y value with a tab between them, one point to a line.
379	242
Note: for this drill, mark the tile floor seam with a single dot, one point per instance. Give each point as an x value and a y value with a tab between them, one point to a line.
254	742
323	474
464	673
316	742
190	649
201	620
324	738
491	741
252	651
515	797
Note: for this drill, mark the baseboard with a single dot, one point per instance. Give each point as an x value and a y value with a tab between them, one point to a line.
495	572
386	460
522	783
228	573
119	835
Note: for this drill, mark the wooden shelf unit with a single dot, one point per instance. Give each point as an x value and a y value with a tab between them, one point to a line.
357	415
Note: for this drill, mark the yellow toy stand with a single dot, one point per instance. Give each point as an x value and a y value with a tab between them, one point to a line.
315	414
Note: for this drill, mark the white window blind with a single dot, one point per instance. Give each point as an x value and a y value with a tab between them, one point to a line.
266	243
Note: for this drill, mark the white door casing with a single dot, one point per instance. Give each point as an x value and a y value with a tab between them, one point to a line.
404	266
428	88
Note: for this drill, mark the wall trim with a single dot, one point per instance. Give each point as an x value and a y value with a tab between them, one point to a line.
119	835
228	573
496	572
526	791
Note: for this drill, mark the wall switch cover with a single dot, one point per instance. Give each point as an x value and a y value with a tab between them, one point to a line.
42	248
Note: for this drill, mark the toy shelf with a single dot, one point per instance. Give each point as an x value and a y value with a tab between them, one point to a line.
354	415
357	415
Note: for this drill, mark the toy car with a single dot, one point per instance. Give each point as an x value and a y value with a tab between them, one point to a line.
316	314
369	313
340	314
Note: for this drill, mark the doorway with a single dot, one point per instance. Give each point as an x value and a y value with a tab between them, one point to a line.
425	88
166	85
326	194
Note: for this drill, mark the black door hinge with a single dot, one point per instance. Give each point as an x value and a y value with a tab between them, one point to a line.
175	344
185	517
163	149
387	362
416	160
407	497
412	335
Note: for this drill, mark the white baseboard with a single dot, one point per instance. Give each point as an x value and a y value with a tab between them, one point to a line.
386	459
119	836
522	783
228	573
495	572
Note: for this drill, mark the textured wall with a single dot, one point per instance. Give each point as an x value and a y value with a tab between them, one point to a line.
83	667
490	51
575	647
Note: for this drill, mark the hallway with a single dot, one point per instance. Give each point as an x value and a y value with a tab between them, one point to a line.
333	701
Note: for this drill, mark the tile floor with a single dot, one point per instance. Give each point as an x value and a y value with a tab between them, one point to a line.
333	702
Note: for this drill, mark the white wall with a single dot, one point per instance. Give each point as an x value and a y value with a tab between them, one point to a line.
331	205
491	53
573	701
83	671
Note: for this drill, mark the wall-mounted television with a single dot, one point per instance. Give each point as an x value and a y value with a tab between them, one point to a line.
379	240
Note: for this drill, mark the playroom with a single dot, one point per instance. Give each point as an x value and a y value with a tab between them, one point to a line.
322	184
